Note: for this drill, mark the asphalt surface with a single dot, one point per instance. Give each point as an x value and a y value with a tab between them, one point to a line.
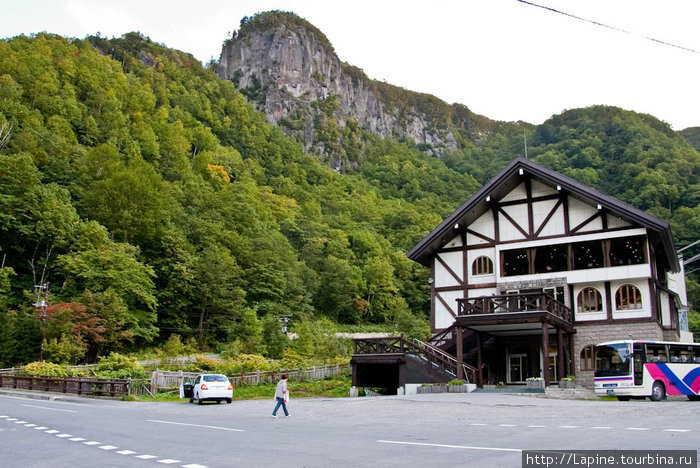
475	430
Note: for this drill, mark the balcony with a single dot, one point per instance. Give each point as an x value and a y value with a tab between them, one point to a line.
521	304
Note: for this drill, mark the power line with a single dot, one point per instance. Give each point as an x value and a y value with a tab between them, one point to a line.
554	10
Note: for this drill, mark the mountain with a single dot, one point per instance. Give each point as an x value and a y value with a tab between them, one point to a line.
154	199
289	69
692	136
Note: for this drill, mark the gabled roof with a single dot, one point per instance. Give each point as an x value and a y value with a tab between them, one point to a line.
511	177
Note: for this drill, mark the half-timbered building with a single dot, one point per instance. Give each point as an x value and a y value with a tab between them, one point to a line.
536	268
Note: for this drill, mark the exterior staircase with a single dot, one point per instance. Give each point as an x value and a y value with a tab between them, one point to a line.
428	355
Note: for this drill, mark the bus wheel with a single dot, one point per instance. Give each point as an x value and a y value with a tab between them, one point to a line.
623	398
658	392
694	397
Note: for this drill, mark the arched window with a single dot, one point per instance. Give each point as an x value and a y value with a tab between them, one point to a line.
628	297
482	266
588	358
589	300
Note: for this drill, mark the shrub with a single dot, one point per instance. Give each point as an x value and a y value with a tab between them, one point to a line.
44	368
203	364
247	363
173	347
118	366
455	382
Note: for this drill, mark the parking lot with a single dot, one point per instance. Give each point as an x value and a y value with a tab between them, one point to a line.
431	430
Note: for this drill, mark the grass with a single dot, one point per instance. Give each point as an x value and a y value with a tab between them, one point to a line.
337	387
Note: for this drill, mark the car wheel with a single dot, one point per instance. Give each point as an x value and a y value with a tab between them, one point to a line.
199	400
191	400
658	391
623	398
228	401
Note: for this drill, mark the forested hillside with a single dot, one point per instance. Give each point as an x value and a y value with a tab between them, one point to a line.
153	199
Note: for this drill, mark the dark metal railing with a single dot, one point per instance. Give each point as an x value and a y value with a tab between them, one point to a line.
526	302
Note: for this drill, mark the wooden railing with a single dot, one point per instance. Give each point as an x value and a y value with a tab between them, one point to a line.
527	302
75	385
444	339
400	345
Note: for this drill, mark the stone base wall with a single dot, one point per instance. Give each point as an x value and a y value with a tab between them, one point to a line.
587	335
671	335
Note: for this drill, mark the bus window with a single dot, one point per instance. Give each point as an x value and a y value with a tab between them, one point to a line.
680	353
613	360
656	353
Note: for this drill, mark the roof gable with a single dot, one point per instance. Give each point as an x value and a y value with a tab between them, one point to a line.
505	185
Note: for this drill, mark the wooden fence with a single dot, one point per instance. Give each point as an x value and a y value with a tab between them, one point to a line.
169	380
159	380
76	385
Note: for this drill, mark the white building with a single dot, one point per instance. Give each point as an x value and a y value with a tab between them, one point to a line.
536	268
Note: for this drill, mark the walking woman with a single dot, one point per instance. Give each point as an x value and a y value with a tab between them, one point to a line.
281	395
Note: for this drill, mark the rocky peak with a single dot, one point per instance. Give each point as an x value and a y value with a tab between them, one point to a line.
289	69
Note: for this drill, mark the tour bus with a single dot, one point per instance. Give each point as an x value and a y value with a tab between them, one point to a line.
637	369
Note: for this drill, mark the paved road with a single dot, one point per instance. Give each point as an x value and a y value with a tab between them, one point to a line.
476	430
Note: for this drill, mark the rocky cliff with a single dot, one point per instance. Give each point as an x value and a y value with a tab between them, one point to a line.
289	69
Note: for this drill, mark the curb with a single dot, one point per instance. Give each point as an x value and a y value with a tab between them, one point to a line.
41	395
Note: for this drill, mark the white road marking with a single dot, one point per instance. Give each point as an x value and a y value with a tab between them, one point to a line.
63	435
601	427
676	430
569	427
52	409
507	425
195	425
467	447
536	425
477	424
636	428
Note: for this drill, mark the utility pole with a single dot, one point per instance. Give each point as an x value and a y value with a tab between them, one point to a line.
42	298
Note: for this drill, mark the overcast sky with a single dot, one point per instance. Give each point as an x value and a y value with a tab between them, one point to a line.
502	58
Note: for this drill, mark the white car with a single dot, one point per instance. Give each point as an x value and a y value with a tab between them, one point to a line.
207	387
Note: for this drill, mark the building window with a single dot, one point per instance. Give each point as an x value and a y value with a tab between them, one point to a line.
587	255
589	300
551	258
482	266
628	297
627	251
516	262
588	358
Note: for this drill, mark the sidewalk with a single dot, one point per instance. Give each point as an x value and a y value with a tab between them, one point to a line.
39	395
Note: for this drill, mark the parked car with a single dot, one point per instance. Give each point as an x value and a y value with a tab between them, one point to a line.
207	387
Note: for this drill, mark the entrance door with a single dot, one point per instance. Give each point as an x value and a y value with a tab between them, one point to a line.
553	366
517	368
